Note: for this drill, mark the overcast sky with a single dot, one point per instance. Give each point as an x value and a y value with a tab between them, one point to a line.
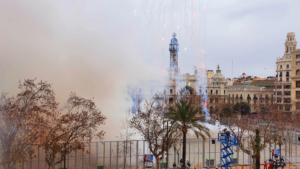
94	48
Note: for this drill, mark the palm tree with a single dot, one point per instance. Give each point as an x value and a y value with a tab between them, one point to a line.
184	116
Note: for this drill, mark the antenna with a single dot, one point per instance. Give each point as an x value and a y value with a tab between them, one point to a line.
232	70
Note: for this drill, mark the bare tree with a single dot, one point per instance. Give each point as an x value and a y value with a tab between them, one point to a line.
24	120
256	131
72	129
152	127
126	134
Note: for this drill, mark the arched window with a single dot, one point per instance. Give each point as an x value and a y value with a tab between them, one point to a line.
298	72
224	92
171	100
216	92
287	66
211	92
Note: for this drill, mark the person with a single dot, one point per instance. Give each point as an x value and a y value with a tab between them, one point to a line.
227	136
271	165
265	165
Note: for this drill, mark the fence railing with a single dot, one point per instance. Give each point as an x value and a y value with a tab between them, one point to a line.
130	155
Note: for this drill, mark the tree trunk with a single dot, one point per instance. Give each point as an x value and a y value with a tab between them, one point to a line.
183	150
257	164
157	162
256	161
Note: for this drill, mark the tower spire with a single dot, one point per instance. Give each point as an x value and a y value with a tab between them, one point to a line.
174	48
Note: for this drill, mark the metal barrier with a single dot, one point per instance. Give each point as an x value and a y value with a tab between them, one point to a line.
130	155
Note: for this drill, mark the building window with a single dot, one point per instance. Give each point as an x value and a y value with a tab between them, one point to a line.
171	91
278	93
297	63
298	72
280	75
287	93
287	100
287	66
278	86
200	91
255	98
211	92
287	86
297	105
216	92
297	56
287	74
280	66
297	94
278	100
280	80
287	49
236	97
287	79
248	97
297	84
211	100
216	100
287	108
241	97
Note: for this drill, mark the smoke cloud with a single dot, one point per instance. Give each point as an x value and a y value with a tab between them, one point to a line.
85	47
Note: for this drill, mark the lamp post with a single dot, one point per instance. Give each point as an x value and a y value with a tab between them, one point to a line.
181	162
174	165
278	160
188	164
167	143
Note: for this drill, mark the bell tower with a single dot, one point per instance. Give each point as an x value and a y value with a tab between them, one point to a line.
174	48
290	43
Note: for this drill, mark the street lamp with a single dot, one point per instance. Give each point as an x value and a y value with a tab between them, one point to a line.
181	162
189	164
174	165
279	161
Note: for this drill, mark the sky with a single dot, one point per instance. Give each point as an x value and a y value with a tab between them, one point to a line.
96	47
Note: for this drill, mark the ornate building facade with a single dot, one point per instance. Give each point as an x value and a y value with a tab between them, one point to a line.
283	85
214	88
